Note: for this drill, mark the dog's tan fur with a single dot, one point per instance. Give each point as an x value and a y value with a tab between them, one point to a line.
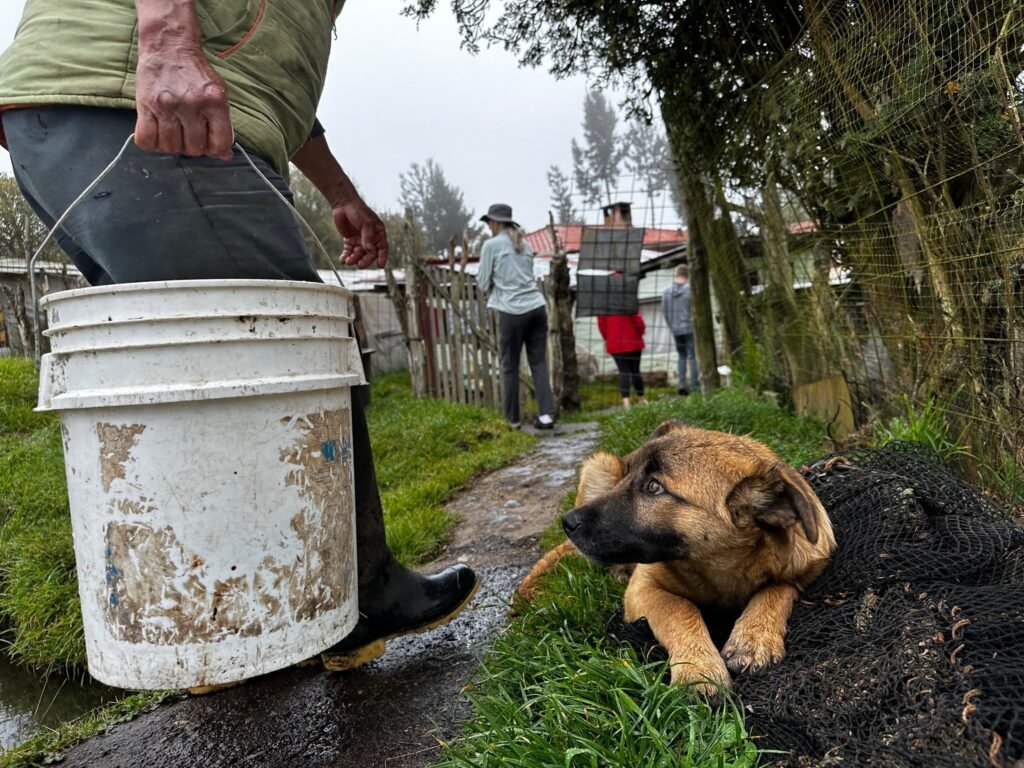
752	535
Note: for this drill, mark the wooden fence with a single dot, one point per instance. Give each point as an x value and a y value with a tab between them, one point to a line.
460	334
452	336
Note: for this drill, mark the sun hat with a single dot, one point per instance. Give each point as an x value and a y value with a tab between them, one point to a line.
501	213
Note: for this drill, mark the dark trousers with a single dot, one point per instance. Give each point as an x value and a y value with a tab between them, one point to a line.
154	217
687	359
628	364
515	332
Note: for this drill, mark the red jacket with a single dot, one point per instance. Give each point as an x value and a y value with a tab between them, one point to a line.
622	333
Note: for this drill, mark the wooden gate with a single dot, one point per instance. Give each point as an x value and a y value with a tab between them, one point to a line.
460	335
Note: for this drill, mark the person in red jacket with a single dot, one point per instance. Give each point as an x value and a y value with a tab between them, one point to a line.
624	340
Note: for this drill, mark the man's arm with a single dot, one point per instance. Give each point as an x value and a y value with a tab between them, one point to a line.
182	102
366	239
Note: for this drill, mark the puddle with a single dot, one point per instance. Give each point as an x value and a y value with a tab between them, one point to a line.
30	704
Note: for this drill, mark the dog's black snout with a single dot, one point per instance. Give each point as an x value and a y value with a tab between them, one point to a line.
571	521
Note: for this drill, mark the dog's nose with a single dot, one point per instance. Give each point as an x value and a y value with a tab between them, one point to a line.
571	521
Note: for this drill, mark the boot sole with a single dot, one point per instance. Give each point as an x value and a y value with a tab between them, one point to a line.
375	649
204	690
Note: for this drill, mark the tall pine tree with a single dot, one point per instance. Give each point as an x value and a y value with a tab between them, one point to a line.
596	161
436	204
561	197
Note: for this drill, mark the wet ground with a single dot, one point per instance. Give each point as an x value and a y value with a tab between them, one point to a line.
30	704
392	712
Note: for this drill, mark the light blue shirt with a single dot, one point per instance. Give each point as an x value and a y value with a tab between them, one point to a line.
507	276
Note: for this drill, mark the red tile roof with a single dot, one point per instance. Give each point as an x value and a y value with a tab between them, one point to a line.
569	236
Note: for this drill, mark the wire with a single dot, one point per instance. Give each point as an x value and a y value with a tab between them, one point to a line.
37	325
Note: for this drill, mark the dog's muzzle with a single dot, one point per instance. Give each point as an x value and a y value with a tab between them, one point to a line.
571	521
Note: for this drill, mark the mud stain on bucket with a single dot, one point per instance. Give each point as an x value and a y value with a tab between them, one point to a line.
158	591
116	443
149	597
322	475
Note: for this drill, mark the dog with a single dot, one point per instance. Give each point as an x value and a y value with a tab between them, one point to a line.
709	521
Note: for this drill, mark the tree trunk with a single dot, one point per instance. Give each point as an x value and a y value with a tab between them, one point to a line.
726	261
17	304
794	324
566	372
692	190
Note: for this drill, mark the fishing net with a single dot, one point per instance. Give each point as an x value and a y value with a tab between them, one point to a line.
909	650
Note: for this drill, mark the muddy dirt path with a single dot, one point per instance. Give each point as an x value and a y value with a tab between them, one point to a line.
392	712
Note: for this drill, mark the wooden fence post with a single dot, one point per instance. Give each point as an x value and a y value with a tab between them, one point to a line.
407	307
566	371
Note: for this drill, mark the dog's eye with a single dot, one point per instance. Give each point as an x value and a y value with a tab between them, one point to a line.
653	487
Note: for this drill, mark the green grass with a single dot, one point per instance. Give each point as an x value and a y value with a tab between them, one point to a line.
38	592
925	424
729	410
18	385
598	396
424	449
556	691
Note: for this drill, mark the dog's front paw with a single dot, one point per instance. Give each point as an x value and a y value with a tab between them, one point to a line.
708	676
749	655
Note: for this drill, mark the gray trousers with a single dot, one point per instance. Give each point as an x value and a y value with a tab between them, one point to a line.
154	217
516	331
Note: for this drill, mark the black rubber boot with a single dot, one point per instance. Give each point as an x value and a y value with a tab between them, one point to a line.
393	600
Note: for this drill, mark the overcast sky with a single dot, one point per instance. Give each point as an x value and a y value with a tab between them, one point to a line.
396	94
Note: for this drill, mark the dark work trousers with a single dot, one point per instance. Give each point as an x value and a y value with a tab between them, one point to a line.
687	351
515	331
628	364
167	217
155	216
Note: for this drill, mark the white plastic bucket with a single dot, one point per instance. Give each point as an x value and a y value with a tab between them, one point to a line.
207	441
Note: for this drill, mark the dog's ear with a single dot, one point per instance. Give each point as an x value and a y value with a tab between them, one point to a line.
599	474
665	427
778	497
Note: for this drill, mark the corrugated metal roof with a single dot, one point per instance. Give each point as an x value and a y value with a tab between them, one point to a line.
19	267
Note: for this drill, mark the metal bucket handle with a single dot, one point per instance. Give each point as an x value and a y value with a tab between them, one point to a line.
37	331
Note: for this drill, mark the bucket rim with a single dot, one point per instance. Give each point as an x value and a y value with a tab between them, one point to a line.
183	285
192	392
64	329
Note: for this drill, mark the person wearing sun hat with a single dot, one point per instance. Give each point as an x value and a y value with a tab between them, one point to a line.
506	274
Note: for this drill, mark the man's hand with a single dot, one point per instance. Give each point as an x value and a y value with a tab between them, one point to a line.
366	239
183	107
182	102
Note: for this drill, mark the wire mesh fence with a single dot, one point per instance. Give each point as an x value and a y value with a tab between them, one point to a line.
894	128
850	172
847	195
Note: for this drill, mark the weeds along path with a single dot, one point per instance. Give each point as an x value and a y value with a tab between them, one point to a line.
392	712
